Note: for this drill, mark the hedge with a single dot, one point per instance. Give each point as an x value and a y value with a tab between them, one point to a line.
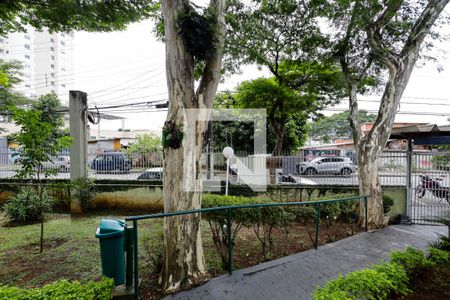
62	290
383	280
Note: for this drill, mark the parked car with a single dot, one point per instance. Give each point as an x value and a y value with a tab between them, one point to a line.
151	174
111	161
327	165
60	163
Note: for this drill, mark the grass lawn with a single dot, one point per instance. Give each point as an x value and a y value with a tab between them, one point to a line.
71	250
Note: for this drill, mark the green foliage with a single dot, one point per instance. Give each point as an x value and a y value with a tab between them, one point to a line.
441	162
377	283
146	151
198	31
63	16
38	141
26	206
62	290
388	201
217	220
172	136
153	243
443	243
84	190
49	105
412	260
438	256
336	126
10	76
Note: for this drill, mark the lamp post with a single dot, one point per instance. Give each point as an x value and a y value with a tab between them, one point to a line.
227	152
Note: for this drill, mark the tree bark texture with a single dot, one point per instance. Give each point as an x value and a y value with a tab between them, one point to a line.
184	263
400	67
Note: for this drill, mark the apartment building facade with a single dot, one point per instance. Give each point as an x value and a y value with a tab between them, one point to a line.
47	59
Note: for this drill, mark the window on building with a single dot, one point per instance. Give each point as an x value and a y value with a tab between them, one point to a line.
52	66
63	69
27	66
1	50
63	52
52	74
52	40
27	46
27	85
62	34
52	57
1	40
63	43
63	85
7	51
52	91
27	56
27	37
52	83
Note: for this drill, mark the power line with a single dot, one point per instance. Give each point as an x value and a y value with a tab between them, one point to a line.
399	112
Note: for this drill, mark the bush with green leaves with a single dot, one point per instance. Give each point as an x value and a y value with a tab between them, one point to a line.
217	220
412	259
438	256
26	206
62	290
377	283
388	201
153	245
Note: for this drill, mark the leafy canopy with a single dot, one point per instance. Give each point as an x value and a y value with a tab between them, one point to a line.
38	143
336	126
89	15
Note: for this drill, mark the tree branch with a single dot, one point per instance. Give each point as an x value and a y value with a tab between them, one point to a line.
211	72
422	26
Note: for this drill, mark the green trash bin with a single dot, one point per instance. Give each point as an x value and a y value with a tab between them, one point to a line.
111	235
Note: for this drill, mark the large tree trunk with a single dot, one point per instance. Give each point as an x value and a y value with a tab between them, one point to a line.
400	67
184	263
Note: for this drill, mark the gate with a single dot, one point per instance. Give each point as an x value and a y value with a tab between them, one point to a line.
429	192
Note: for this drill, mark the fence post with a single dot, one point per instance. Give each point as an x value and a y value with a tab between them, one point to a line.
230	245
366	213
317	225
130	253
136	260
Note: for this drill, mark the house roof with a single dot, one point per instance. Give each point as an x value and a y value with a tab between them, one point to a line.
430	134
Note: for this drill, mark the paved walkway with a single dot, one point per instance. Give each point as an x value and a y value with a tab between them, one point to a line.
296	276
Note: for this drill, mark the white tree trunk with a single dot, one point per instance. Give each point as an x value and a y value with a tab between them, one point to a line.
184	263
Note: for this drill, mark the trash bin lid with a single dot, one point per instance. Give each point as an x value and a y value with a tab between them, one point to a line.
110	228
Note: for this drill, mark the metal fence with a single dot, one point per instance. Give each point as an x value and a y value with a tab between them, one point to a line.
229	227
429	190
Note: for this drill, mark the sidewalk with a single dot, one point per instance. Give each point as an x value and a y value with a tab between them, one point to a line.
296	276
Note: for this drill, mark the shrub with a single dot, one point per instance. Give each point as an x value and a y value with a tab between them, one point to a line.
388	201
443	243
62	290
411	259
217	220
154	248
25	206
439	256
377	283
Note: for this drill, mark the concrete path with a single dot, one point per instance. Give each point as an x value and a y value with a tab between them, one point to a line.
296	276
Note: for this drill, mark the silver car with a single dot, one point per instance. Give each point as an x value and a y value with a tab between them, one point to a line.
60	163
327	165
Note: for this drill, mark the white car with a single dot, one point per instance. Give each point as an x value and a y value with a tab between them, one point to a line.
60	163
327	165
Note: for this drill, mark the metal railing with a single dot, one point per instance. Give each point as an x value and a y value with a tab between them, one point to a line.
229	209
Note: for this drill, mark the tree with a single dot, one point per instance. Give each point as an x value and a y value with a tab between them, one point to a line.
90	15
194	38
146	149
283	105
284	36
336	126
379	43
10	73
38	145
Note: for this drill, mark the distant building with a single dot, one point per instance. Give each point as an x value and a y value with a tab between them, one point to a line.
47	59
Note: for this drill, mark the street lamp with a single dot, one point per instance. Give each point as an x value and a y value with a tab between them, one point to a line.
227	152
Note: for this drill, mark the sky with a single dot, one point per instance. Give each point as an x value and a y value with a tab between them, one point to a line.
129	66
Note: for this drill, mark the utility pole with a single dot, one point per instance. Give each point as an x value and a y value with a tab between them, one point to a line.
78	149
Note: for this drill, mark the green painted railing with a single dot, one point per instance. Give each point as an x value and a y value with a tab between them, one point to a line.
229	210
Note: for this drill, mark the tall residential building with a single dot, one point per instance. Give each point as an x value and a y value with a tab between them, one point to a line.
47	59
